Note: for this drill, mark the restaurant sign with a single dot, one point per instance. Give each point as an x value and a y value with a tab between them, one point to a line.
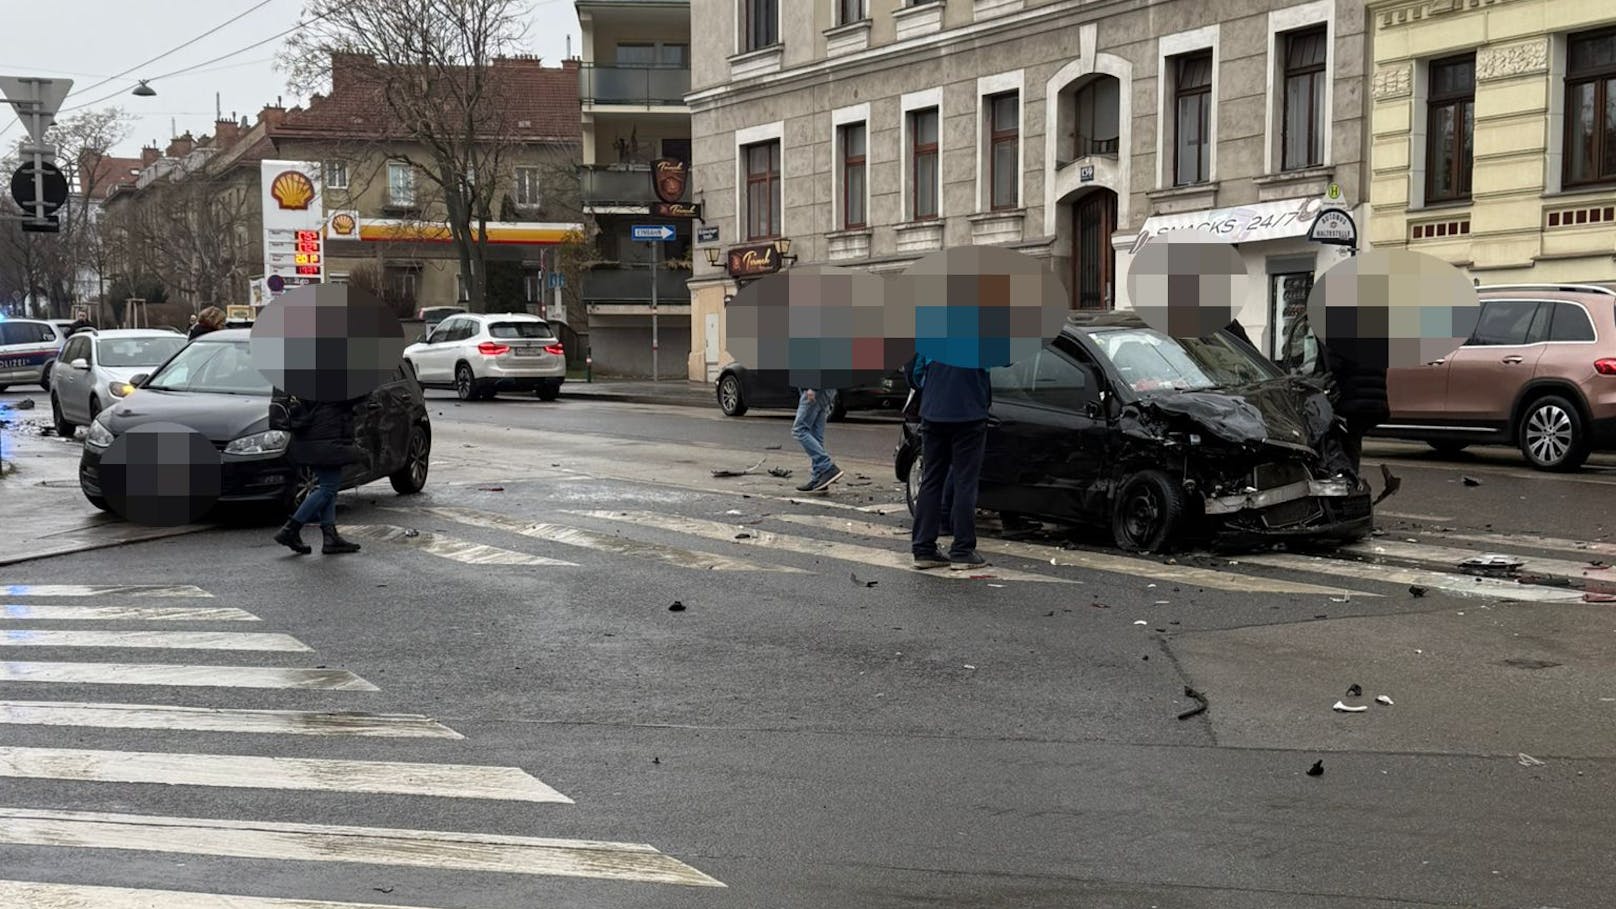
752	261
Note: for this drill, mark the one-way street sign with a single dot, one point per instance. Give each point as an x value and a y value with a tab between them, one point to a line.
654	233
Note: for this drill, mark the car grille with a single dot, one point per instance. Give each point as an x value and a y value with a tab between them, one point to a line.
1289	514
1283	473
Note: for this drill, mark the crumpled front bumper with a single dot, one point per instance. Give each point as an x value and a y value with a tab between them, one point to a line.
1336	488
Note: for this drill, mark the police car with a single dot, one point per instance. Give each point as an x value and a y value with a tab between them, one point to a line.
27	346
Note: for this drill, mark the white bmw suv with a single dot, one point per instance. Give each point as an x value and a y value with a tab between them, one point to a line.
481	354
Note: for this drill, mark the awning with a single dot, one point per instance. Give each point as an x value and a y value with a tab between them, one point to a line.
1253	223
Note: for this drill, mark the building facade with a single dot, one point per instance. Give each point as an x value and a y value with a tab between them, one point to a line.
634	75
868	133
1494	136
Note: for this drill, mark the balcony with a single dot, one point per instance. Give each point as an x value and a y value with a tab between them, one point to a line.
619	185
632	284
601	86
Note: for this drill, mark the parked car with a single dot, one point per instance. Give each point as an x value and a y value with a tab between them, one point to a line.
481	354
95	367
1539	372
27	347
212	387
1162	441
740	389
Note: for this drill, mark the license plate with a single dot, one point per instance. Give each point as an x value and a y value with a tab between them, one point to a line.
527	351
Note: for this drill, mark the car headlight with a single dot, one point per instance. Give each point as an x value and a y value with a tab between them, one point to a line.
271	442
120	389
98	434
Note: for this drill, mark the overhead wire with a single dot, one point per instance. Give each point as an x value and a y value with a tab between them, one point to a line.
174	50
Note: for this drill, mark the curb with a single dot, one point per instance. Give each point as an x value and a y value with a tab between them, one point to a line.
77	547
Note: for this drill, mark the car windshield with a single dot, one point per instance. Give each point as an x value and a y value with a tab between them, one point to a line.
520	330
1151	361
129	352
216	367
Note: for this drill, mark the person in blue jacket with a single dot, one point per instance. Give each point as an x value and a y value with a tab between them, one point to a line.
954	403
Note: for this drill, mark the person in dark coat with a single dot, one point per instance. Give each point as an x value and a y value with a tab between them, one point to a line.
914	374
322	438
954	404
210	319
1357	369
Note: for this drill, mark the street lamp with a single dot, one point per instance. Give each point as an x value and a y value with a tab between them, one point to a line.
783	247
143	90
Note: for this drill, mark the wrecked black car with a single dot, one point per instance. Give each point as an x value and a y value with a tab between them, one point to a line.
1166	442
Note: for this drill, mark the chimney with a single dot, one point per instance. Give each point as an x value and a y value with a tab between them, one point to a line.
572	63
348	70
149	156
271	115
181	146
226	132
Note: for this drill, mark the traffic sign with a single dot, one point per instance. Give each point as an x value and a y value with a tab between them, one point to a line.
54	184
555	279
36	101
653	233
1333	226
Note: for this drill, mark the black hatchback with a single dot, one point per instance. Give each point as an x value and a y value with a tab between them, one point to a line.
212	387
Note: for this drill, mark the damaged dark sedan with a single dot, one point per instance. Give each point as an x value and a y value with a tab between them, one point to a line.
1165	442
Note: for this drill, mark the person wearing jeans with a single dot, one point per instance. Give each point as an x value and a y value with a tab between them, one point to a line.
323	440
954	407
813	412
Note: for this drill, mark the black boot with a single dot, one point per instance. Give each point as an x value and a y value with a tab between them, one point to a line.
333	543
291	535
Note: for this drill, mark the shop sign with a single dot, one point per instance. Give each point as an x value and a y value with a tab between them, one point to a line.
669	177
1242	224
689	210
751	261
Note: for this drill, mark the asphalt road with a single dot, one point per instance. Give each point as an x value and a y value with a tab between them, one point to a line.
799	737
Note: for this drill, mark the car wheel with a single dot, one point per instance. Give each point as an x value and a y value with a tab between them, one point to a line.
63	427
547	392
411	478
1552	435
838	411
45	377
1146	513
466	384
730	399
1448	449
98	501
95	407
911	484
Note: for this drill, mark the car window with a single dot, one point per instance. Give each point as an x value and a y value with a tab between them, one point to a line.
131	352
1150	361
1570	323
220	367
77	348
1505	322
27	333
443	331
520	330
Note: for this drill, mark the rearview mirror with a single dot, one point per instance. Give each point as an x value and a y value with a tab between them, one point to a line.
80	363
139	379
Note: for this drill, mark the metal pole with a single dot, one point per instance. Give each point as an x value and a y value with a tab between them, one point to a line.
656	254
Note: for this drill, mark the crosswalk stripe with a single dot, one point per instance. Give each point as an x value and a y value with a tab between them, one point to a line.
450	548
53	612
153	640
1094	561
462	781
1594	547
103	590
847	552
183	676
586	539
38	895
1461	585
362	845
214	719
1450	556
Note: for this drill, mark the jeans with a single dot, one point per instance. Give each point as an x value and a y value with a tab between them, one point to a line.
322	500
809	428
952	454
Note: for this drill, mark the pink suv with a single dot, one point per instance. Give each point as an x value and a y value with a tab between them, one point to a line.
1539	372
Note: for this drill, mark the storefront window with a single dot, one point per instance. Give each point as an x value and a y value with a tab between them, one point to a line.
1293	346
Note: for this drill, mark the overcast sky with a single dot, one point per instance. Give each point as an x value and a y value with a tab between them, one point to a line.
89	40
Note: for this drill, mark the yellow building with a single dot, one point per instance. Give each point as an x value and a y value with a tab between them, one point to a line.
1493	135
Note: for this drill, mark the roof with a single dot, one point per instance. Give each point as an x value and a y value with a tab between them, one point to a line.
111	173
1104	318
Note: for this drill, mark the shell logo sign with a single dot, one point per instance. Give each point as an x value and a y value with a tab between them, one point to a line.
344	224
292	190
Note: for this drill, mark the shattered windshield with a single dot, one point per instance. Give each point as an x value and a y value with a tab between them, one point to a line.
1150	361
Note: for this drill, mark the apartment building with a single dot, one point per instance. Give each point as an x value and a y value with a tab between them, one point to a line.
634	74
868	133
1494	136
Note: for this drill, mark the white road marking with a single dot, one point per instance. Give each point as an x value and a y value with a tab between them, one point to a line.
1450	557
52	612
212	719
153	640
1460	585
1405	516
183	676
103	590
1094	561
1531	541
586	539
463	781
35	895
362	845
831	549
450	548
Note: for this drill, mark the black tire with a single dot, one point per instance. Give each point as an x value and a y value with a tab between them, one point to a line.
466	387
1448	449
911	484
411	478
731	400
45	377
63	427
547	392
95	406
1552	435
1146	513
838	411
98	501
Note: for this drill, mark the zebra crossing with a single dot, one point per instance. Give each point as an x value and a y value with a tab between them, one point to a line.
276	767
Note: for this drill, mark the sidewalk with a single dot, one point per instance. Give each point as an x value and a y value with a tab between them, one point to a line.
674	392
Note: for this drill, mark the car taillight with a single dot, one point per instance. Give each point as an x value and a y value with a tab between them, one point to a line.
1605	367
491	349
556	349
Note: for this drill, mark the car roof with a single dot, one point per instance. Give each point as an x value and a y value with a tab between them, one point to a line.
131	333
506	316
1574	293
1081	321
225	334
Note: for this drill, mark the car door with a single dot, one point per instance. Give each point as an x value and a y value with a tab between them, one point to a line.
1046	440
432	363
1488	372
72	385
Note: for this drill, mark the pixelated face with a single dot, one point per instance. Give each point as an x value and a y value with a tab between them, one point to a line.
1393	308
327	342
818	327
978	307
1188	285
162	474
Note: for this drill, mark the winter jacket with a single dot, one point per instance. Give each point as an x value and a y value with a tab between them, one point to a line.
322	431
197	331
953	394
1358	376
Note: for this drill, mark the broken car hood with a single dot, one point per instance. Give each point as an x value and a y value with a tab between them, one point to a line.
1287	412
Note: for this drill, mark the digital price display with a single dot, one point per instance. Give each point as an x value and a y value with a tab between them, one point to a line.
307	258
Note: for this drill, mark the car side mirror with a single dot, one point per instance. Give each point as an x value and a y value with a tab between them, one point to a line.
139	379
80	363
1092	410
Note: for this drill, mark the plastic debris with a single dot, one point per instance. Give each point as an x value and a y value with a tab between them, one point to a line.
1343	708
743	536
1417	591
1526	760
1393	483
490	489
734	511
969	666
1591	597
1200	703
859	583
1355	691
1384	701
412	533
1471	481
1492	563
723	473
772	448
782	473
1141	622
1317	769
25	404
677	607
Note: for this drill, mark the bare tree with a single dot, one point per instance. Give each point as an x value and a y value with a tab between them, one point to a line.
193	233
432	65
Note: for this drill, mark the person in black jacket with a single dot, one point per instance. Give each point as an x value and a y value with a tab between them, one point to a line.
322	438
954	404
1357	368
210	319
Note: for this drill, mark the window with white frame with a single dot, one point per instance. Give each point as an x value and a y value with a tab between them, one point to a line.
336	175
1004	150
854	176
762	168
400	183
760	24
1191	76
1304	84
528	189
925	176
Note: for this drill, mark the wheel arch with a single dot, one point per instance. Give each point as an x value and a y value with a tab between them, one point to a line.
1541	388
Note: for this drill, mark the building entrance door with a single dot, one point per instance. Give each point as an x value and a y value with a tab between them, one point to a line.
1094	261
710	336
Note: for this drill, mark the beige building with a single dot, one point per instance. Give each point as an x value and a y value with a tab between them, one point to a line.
1494	136
870	132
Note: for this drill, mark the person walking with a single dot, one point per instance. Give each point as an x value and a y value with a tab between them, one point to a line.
814	406
210	319
954	405
322	438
